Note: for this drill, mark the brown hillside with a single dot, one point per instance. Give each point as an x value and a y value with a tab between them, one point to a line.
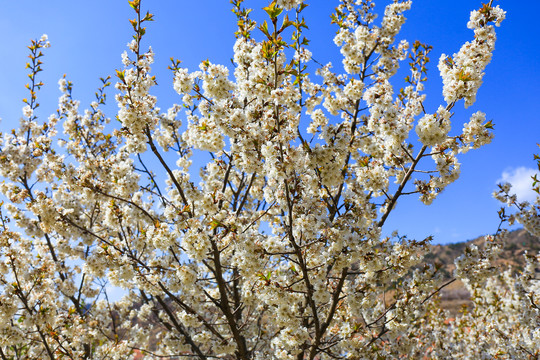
516	243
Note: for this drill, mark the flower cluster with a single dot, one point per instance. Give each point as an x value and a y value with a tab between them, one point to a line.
463	72
137	111
476	132
433	129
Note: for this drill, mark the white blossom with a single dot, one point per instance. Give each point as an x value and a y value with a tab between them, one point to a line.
274	249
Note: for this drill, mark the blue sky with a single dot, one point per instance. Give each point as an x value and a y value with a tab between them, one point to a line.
88	37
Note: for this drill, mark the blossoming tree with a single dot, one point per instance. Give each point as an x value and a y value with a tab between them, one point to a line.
277	252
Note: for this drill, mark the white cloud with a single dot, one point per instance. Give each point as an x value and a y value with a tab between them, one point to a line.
521	181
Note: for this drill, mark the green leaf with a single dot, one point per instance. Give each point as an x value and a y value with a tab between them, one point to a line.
264	28
489	125
286	23
135	4
121	74
273	10
148	17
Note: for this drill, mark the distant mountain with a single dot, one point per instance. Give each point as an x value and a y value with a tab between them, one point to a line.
516	243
